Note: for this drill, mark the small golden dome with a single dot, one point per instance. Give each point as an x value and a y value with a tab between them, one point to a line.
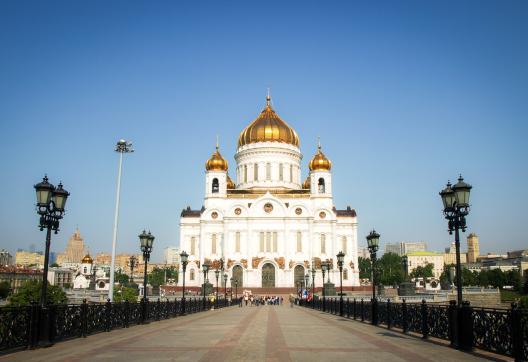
268	127
230	183
319	162
307	183
216	162
87	259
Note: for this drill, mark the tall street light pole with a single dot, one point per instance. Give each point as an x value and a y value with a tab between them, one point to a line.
340	262
225	288
313	285
51	201
324	267
373	244
132	262
184	257
456	208
121	147
217	274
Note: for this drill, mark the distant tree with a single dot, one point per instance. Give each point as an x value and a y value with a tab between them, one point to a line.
158	275
445	277
468	278
5	289
54	265
390	269
525	286
364	268
497	278
513	279
121	278
483	279
30	292
423	271
122	294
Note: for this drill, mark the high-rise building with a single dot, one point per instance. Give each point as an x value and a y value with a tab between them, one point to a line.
394	248
5	258
172	255
473	248
26	258
75	250
411	247
422	258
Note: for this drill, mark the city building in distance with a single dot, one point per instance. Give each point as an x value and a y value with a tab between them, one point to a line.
405	247
74	252
269	225
171	255
28	258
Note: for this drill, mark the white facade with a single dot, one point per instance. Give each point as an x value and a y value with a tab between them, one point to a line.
267	228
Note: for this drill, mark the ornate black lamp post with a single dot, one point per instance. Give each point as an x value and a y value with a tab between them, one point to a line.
236	290
306	279
51	201
184	257
217	274
146	241
324	268
205	268
313	285
373	244
132	262
456	207
340	261
225	288
232	281
404	266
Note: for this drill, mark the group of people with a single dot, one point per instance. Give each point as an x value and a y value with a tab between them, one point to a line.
253	300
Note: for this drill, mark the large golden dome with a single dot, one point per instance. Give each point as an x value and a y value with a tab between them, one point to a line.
268	127
319	162
230	184
216	162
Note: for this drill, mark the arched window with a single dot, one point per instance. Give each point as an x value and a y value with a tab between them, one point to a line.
216	187
344	244
245	173
281	172
191	274
321	185
323	244
237	242
213	244
255	172
299	242
193	246
85	270
345	274
268	171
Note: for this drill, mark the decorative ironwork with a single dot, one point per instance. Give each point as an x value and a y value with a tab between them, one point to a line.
438	321
15	325
492	330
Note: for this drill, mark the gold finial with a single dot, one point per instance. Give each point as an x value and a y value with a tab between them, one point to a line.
268	98
319	142
217	144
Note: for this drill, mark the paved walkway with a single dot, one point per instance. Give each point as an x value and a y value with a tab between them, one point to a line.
266	333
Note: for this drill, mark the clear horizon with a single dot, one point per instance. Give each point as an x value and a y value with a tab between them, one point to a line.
403	95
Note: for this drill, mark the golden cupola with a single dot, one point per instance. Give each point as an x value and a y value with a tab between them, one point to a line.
268	127
230	184
216	162
87	259
319	162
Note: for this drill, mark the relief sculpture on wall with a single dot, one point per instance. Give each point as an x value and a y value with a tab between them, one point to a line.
280	261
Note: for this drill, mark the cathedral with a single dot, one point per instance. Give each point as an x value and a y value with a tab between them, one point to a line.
270	227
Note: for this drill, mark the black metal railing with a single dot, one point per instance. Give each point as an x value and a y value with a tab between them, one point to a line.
501	331
33	326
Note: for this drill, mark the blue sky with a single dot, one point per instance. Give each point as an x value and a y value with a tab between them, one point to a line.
404	94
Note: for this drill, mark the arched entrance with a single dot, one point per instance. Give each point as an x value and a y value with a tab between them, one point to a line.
298	275
268	276
237	275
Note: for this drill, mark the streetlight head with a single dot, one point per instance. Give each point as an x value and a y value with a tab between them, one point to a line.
184	257
44	192
448	197
340	258
143	241
59	196
217	273
205	267
225	277
373	241
462	191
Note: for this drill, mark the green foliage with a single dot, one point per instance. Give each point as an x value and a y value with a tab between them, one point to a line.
157	276
5	289
513	278
30	292
523	302
54	265
525	286
390	269
469	278
121	278
423	271
508	296
122	294
364	268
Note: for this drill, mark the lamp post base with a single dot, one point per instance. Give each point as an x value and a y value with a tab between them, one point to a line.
329	289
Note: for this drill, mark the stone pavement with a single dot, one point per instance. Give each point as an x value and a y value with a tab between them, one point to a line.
266	333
